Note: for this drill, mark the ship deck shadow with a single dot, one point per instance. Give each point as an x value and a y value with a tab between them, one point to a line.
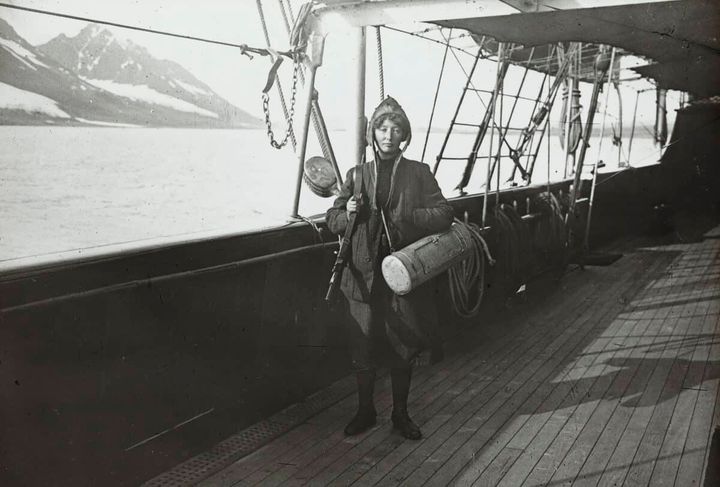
610	376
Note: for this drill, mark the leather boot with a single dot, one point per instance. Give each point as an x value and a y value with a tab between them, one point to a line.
400	418
365	418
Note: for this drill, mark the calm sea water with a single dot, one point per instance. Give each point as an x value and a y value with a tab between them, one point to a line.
86	190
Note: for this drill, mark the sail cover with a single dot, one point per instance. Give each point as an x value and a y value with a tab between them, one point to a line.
679	37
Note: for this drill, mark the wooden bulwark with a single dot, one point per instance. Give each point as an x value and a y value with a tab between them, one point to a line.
612	379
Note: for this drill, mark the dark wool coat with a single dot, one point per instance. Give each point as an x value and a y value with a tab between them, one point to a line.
416	208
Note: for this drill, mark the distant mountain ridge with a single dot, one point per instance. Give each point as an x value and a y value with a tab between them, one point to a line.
94	78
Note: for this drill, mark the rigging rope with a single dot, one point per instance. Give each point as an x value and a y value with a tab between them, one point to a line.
543	114
290	9
595	170
499	75
549	234
530	164
512	154
507	235
512	111
632	130
470	274
442	43
284	14
244	48
381	74
501	94
437	92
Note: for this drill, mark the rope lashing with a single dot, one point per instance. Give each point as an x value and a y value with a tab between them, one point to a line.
469	275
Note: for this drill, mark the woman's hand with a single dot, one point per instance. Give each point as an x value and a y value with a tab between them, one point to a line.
351	206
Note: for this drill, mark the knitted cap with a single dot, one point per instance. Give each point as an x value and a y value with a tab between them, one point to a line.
389	106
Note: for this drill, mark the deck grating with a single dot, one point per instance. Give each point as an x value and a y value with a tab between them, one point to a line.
612	380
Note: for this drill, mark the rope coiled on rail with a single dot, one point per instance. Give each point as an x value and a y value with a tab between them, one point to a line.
550	229
467	278
549	239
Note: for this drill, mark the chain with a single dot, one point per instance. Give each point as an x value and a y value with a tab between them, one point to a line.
291	115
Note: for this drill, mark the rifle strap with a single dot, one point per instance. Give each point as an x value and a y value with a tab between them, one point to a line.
387	231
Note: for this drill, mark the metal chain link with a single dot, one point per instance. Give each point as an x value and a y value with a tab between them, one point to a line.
291	115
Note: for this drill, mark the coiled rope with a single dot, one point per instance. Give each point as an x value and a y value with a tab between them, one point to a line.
509	243
467	278
550	228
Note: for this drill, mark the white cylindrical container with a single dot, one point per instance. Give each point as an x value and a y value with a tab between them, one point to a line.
406	269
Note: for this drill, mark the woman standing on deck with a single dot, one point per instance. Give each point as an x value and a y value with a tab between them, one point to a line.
401	202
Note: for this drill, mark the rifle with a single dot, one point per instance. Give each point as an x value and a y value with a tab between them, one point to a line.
343	252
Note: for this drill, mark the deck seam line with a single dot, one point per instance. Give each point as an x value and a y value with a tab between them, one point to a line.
632	285
612	412
668	316
582	330
655	411
711	348
501	350
594	383
552	338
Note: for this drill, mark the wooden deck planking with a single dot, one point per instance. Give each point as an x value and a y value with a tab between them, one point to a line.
313	451
694	454
485	362
349	444
636	451
671	451
463	396
604	419
327	424
283	451
643	406
662	412
615	382
535	440
460	448
589	398
675	432
446	414
602	450
379	470
483	472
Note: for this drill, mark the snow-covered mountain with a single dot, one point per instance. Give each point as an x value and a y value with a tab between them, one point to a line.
94	78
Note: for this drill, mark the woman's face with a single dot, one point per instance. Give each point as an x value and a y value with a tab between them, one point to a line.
388	137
